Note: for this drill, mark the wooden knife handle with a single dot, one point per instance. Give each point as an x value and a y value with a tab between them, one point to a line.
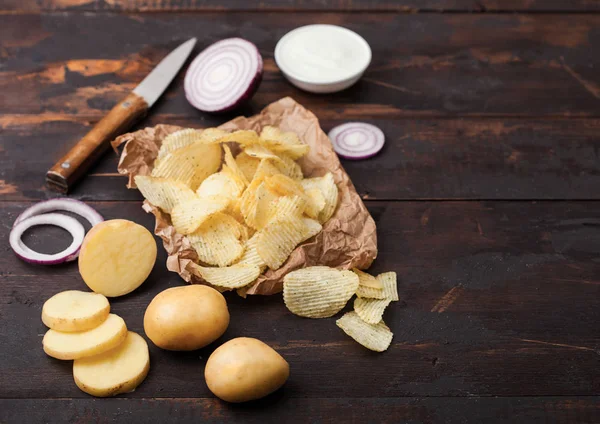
78	160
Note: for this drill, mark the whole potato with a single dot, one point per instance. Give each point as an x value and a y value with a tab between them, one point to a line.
245	369
186	318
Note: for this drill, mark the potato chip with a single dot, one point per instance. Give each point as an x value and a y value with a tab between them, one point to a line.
255	205
212	135
163	192
318	291
178	140
243	137
219	241
221	184
284	163
376	337
251	256
367	280
232	165
191	164
284	185
315	202
289	167
188	216
275	134
281	236
370	292
287	206
265	169
390	285
231	277
283	142
247	165
369	286
329	190
370	310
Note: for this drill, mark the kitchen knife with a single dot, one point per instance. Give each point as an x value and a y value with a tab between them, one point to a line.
63	175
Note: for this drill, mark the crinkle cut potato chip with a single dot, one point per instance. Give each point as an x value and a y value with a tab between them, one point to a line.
163	192
221	184
231	277
327	186
376	337
284	163
178	140
390	285
318	291
281	236
283	142
233	167
243	137
188	216
247	165
191	164
370	310
367	280
287	206
251	256
219	241
370	292
256	206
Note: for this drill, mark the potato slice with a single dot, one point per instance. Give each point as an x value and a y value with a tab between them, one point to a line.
119	370
74	310
106	336
116	257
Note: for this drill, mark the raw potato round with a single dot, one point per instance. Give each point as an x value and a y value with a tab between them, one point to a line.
116	257
106	336
245	369
119	370
74	310
186	318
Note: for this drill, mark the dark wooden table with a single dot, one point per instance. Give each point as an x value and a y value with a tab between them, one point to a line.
486	198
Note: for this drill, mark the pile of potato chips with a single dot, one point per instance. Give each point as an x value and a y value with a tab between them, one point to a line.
244	213
321	292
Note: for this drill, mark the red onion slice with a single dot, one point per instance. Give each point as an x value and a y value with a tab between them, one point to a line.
357	140
25	253
61	204
224	75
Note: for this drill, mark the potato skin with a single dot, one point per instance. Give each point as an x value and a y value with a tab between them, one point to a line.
245	369
186	318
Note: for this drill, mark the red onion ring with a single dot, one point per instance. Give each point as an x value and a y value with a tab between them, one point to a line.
357	140
25	253
37	215
62	204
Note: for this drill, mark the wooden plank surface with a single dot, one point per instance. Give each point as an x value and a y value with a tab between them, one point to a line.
499	294
580	410
411	6
497	299
426	65
422	159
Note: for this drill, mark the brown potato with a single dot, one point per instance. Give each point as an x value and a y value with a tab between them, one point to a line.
245	369
186	318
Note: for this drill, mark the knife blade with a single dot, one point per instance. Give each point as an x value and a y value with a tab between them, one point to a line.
67	171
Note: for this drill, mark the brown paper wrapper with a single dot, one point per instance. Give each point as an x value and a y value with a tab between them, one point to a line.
348	239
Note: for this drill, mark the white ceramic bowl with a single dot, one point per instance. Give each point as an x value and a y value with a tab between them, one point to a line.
328	84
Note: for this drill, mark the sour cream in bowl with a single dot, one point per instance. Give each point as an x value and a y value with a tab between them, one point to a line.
322	58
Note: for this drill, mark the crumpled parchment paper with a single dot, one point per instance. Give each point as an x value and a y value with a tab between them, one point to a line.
348	239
